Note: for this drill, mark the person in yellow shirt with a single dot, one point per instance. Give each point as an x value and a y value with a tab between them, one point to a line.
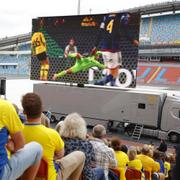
39	50
167	166
147	162
60	167
121	157
133	161
25	159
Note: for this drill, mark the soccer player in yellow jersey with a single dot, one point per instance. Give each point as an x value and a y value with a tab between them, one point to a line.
39	50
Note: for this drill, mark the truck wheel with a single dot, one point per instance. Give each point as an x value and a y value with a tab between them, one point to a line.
129	129
53	119
62	118
109	125
174	137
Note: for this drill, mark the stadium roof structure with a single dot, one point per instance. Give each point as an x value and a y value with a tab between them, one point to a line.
160	52
8	41
169	6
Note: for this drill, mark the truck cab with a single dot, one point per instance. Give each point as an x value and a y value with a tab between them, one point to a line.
170	119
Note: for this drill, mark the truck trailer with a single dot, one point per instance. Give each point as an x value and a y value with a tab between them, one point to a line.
139	112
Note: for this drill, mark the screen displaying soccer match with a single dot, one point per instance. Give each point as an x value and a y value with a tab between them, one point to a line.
89	49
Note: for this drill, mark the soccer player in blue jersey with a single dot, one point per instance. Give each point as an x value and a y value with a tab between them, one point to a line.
112	28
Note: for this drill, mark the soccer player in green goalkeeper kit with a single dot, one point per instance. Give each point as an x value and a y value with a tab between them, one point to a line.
81	64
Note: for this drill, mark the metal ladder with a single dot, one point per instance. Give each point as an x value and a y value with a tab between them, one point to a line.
137	131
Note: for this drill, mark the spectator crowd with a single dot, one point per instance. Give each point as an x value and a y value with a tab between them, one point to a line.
30	149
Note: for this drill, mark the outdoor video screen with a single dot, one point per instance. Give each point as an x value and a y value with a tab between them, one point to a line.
88	49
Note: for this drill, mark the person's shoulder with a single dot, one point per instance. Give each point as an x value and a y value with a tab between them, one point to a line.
166	163
40	33
137	160
144	157
67	47
151	160
78	142
88	143
5	103
50	131
107	149
83	141
35	34
123	153
6	106
97	142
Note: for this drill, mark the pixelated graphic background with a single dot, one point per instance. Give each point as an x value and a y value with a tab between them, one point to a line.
84	29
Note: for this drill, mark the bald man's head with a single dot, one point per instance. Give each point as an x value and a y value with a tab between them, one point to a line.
99	131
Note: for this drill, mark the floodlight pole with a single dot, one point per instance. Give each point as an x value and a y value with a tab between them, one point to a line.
79	7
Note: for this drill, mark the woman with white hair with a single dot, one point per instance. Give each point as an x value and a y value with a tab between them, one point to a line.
74	133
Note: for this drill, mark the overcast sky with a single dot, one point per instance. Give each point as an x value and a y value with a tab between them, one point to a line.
16	15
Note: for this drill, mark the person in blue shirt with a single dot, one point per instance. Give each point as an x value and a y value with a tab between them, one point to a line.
157	158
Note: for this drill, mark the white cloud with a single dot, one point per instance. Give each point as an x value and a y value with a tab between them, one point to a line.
16	15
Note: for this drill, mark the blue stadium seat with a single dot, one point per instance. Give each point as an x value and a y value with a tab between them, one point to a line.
162	30
21	60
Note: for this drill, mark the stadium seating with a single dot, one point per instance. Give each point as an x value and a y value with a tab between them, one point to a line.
147	175
161	30
22	61
116	171
132	174
42	173
24	47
